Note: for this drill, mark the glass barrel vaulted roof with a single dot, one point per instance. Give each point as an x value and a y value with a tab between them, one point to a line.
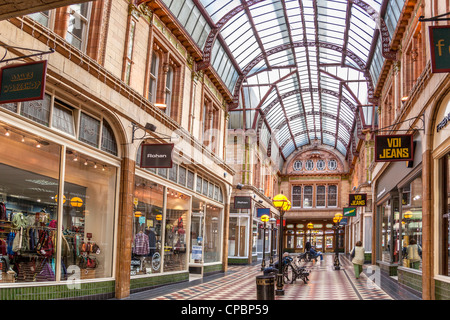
296	68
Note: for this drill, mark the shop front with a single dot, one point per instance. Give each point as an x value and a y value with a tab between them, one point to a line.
58	189
398	223
441	199
320	234
177	227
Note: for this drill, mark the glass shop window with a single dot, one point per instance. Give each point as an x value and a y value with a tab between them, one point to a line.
213	233
88	215
237	237
28	210
175	239
147	227
412	226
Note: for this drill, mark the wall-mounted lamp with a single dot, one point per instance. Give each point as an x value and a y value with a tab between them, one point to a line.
239	186
150	127
404	99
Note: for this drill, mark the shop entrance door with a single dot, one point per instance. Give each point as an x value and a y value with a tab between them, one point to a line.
196	256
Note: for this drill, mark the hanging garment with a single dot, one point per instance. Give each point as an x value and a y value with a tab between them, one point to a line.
2	211
141	244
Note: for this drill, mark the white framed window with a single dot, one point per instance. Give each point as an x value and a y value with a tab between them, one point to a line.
169	90
296	196
77	31
43	17
320	196
154	69
332	196
307	197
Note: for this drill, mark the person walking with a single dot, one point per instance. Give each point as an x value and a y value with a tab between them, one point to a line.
358	258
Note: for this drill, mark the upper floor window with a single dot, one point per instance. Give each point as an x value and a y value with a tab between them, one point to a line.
154	68
297	165
309	165
320	196
42	17
332	164
308	197
77	29
297	196
332	196
169	90
320	165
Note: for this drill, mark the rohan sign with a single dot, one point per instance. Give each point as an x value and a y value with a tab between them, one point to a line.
156	155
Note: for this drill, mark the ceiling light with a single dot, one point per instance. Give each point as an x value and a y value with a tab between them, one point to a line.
7	133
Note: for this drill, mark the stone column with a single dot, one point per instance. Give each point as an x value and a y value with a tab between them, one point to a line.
124	229
427	226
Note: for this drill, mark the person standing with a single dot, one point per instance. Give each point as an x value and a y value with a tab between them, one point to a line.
358	258
414	251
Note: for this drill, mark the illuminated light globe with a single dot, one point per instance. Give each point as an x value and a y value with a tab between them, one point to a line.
338	216
407	215
279	201
76	202
310	225
287	206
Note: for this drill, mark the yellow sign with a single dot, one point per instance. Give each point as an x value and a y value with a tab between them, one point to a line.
265	218
64	199
135	201
159	217
357	200
76	202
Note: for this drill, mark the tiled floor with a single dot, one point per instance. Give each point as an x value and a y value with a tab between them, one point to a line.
239	283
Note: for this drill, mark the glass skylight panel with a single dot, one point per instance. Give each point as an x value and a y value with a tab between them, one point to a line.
328	139
342	149
218	8
288	148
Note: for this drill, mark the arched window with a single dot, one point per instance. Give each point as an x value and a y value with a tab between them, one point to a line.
109	143
309	165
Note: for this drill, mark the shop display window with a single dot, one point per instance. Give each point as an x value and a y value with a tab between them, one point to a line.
29	171
213	233
175	238
386	221
412	226
147	227
237	237
197	221
444	217
88	215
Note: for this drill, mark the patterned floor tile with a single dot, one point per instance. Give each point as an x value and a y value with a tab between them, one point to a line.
325	283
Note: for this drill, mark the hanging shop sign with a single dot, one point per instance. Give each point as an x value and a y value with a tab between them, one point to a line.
357	199
23	82
440	48
262	211
349	212
389	148
242	202
157	155
265	218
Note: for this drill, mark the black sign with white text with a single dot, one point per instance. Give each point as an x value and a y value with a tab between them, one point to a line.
156	155
242	202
